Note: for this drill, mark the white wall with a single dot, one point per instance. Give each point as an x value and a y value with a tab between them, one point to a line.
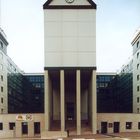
136	72
70	38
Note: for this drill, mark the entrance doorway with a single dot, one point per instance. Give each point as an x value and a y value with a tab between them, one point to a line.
36	127
24	128
103	127
70	111
116	127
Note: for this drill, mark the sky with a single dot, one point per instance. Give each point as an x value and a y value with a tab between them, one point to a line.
116	23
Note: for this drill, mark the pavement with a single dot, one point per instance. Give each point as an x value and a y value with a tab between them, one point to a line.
117	136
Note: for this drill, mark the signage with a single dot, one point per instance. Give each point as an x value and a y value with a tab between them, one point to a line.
26	117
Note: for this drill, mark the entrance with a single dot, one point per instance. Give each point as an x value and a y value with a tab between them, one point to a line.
36	127
24	128
103	127
116	127
70	111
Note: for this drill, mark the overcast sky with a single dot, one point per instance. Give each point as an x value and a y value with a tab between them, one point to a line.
117	21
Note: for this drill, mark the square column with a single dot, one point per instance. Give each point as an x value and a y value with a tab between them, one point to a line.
78	102
62	100
94	103
47	101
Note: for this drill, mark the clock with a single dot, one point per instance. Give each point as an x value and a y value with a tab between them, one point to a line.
69	1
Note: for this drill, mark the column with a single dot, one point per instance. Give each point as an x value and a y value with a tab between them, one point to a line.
62	100
47	101
94	103
78	102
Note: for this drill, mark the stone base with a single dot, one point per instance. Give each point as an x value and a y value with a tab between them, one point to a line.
53	134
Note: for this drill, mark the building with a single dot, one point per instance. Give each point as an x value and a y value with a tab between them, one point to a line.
63	99
136	72
70	64
33	86
3	73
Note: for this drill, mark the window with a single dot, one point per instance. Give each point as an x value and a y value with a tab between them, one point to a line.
137	44
138	88
1	67
11	125
1	89
2	100
138	125
138	77
1	44
138	110
1	126
1	77
128	125
137	55
36	127
1	56
137	66
138	99
2	111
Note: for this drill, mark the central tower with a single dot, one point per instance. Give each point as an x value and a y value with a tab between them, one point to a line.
70	65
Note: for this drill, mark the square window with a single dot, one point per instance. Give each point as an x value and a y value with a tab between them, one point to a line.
11	125
1	126
128	125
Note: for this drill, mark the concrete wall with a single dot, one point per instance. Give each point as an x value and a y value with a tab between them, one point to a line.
17	132
110	118
70	36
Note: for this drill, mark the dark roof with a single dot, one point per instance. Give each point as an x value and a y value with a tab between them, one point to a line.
48	6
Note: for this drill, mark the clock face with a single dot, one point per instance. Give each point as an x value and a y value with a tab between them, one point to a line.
69	1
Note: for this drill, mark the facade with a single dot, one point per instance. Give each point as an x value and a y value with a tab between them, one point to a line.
16	98
3	73
136	69
63	99
70	64
33	85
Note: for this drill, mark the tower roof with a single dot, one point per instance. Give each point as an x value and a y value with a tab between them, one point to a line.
90	5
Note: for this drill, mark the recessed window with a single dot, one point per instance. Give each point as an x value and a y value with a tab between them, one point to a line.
138	77
138	110
1	67
137	66
128	125
137	44
1	89
2	111
11	125
1	44
1	77
1	56
137	55
1	126
2	100
138	125
138	99
138	88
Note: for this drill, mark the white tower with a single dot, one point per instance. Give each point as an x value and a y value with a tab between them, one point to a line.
70	64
